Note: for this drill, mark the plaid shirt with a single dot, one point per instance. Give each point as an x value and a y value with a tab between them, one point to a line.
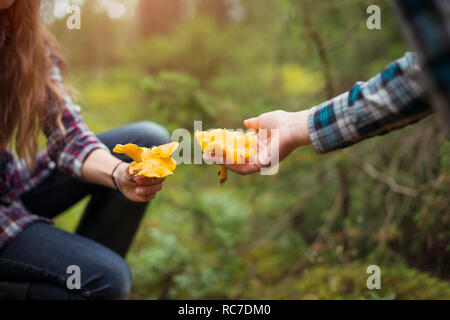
67	151
399	95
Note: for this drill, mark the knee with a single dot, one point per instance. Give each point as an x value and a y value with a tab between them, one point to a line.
151	134
119	279
113	281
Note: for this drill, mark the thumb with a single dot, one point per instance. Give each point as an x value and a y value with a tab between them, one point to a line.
252	123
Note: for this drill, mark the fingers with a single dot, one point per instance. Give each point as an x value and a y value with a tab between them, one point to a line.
144	181
142	189
148	197
144	198
252	123
243	169
148	190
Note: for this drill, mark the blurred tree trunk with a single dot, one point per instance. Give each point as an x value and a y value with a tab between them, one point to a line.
218	9
158	16
319	41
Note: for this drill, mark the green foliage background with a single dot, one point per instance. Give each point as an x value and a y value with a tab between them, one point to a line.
308	232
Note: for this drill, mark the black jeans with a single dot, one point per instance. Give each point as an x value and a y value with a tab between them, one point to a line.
34	265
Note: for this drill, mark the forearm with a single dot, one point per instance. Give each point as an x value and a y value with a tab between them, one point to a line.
98	166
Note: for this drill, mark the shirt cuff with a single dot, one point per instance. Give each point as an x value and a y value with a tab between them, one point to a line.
330	125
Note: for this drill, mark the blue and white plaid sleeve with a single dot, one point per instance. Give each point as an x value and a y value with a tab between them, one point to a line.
390	100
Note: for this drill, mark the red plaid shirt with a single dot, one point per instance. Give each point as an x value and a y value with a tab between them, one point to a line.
67	151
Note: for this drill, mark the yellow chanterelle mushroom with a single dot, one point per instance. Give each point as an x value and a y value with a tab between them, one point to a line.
152	163
235	146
